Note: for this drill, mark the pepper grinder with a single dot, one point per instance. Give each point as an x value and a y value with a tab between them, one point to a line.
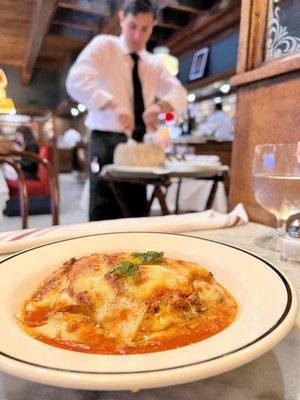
291	243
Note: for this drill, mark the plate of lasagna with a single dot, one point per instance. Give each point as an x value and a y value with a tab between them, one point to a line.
129	311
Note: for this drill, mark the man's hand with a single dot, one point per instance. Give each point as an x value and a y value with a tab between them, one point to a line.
151	121
151	114
150	118
125	119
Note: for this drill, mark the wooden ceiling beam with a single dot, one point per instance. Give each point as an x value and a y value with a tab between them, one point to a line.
196	24
74	25
176	5
227	24
43	14
70	32
223	16
168	25
83	6
9	9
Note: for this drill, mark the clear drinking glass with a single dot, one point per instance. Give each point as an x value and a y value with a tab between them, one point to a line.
276	183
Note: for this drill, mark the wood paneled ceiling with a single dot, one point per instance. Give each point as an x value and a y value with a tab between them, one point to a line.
45	33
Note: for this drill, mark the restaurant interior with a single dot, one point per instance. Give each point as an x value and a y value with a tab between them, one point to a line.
228	187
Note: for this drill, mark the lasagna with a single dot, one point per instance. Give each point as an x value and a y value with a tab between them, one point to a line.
127	303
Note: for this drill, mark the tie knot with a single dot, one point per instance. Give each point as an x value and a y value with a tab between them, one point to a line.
135	57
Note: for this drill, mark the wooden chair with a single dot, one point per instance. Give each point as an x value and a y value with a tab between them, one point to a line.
24	188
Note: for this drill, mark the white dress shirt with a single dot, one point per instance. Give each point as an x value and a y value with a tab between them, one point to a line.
219	125
103	71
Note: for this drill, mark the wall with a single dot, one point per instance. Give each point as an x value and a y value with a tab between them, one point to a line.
63	76
267	113
222	57
43	91
62	124
268	93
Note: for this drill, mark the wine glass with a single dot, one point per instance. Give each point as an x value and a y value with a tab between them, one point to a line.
276	183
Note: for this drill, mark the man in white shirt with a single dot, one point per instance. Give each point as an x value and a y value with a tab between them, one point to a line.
69	139
218	125
124	88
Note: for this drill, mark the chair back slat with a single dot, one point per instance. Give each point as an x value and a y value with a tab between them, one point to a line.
48	177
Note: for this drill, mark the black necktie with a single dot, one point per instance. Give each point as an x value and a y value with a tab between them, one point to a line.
138	101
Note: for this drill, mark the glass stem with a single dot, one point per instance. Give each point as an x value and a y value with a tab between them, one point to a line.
281	228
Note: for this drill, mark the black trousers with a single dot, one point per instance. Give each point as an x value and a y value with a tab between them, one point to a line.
103	204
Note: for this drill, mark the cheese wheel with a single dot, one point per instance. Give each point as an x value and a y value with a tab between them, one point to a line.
139	155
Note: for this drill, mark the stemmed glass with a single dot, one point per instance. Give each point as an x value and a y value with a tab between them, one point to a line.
276	183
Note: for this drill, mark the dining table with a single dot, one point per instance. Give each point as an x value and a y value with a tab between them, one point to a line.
273	376
163	179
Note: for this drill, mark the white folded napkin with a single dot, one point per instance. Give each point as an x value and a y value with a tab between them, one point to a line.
19	240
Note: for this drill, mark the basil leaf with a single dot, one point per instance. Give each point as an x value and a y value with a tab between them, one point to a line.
150	257
125	268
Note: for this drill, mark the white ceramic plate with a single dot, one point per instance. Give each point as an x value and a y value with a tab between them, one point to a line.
201	158
267	310
180	166
195	166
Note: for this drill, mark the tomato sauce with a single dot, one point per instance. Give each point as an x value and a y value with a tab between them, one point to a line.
208	323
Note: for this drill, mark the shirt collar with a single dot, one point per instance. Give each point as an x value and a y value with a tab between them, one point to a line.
126	50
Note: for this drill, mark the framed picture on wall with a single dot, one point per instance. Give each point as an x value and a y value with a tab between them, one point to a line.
198	63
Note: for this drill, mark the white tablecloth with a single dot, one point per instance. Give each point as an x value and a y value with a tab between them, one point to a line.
193	196
209	219
275	375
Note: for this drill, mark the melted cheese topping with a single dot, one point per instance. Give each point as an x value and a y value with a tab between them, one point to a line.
139	154
84	307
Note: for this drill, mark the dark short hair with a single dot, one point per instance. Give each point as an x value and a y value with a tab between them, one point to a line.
135	7
27	133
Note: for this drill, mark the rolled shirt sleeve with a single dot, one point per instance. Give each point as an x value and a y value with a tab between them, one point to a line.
83	83
170	90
